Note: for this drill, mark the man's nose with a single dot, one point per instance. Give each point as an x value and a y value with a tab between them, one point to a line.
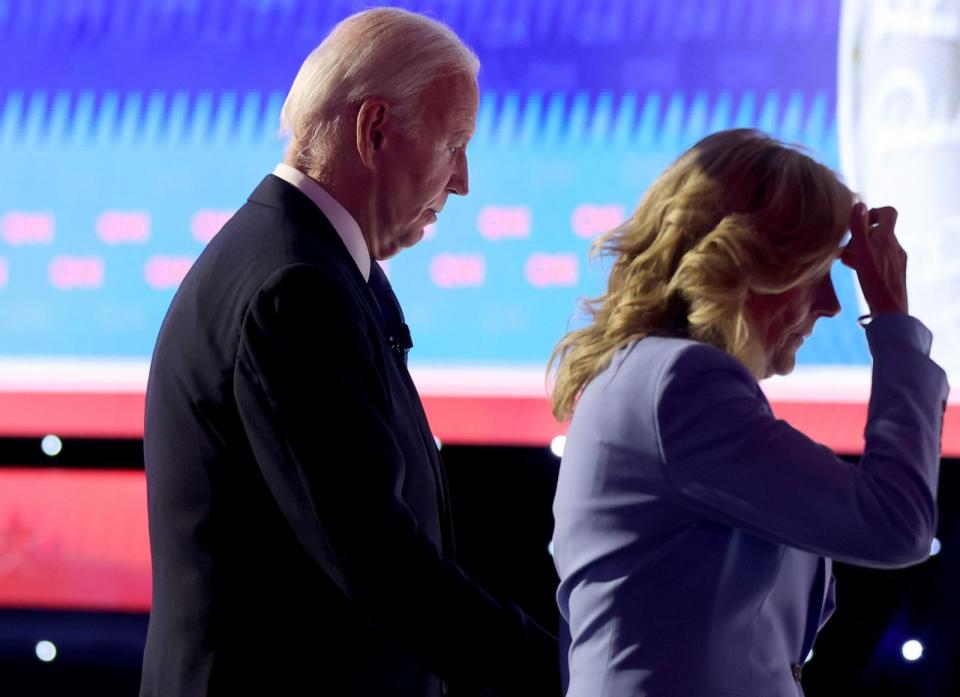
460	179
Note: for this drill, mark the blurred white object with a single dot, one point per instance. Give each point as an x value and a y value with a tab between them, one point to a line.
912	650
557	445
46	651
899	133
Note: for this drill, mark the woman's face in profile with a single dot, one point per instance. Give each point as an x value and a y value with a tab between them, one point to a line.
781	322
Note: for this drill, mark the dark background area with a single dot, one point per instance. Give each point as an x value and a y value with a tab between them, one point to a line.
502	498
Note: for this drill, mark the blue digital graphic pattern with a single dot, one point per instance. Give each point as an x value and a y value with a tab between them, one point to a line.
129	130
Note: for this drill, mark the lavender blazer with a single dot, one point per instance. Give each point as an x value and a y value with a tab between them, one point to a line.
694	531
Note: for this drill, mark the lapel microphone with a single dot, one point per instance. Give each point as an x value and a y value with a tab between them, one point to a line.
399	339
401	342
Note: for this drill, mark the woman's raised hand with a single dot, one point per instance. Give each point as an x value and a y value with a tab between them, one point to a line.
877	257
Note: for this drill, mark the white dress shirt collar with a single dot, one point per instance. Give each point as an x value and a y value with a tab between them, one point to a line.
339	217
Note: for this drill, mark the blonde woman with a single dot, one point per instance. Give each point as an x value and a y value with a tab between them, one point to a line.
694	531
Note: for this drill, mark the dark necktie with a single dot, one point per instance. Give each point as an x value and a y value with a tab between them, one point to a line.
398	333
398	337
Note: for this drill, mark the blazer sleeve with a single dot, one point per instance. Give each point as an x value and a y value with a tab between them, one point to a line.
314	407
731	461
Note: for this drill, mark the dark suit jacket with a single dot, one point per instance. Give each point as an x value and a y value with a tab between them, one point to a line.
299	525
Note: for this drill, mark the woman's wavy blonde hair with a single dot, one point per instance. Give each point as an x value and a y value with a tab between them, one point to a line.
738	213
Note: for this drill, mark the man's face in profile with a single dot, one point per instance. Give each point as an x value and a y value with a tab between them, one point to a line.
420	172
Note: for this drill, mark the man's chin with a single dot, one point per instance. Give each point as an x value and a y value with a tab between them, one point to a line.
412	238
393	248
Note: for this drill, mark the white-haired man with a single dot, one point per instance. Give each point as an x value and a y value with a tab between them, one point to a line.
299	520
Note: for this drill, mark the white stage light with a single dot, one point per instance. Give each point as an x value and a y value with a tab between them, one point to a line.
935	547
557	445
46	651
51	445
912	650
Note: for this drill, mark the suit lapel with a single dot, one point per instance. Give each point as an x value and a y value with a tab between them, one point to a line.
429	444
443	494
815	608
318	232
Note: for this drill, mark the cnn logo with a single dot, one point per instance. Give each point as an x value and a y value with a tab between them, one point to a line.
590	220
20	228
458	270
123	227
206	223
505	222
76	272
164	272
546	270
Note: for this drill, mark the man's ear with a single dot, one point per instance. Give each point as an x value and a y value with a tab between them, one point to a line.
371	130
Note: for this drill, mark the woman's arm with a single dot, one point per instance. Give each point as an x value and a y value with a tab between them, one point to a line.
731	461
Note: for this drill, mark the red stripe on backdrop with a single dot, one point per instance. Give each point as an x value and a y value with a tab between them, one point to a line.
78	538
72	414
74	539
456	420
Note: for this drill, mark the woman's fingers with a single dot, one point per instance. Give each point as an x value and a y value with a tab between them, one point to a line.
885	218
877	257
858	229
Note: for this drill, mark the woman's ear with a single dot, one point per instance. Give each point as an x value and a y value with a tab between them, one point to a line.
371	130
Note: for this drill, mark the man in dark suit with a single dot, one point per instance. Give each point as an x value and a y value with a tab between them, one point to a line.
299	517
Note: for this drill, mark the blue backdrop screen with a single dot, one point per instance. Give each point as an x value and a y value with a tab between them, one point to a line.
130	131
